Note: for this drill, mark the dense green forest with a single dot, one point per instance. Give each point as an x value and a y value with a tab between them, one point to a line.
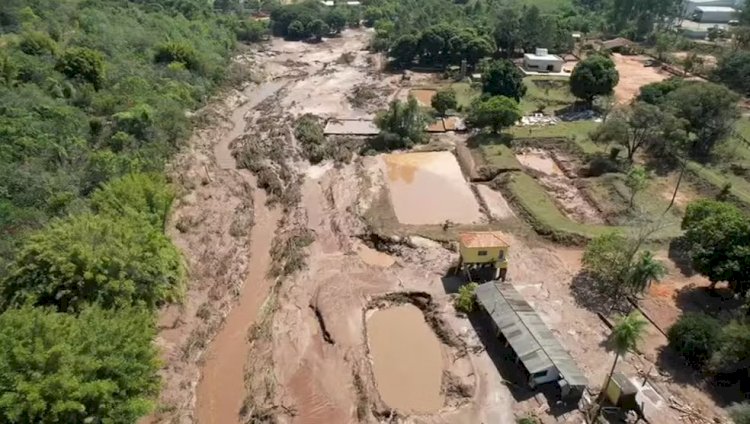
93	102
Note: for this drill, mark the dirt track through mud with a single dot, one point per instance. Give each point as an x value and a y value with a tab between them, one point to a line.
222	385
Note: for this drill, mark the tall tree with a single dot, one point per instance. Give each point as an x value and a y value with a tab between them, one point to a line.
718	235
594	76
402	125
710	111
503	78
619	266
404	50
633	128
495	112
444	100
733	70
626	334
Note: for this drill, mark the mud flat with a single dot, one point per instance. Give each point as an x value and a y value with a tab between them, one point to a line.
429	188
407	359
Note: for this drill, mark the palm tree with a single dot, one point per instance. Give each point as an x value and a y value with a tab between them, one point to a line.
644	271
626	334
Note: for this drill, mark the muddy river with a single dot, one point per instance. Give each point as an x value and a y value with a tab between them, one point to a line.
429	188
407	359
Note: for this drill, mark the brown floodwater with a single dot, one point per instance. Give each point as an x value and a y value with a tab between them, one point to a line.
429	188
407	359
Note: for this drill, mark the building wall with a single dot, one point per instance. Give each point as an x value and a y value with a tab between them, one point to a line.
552	375
691	5
542	65
471	255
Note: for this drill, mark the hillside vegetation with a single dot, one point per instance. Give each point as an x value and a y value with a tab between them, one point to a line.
94	96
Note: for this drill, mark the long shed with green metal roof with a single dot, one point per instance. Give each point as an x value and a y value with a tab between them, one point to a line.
539	352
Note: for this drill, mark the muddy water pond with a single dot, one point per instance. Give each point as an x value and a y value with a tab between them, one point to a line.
407	359
429	188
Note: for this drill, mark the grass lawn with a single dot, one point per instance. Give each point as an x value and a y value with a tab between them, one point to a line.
578	131
551	92
465	94
501	156
548	220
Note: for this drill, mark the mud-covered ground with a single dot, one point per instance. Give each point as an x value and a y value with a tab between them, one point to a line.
274	328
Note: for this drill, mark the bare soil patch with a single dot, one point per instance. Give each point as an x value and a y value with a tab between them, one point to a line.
424	96
634	75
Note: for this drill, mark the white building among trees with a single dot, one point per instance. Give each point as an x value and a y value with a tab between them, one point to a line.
542	61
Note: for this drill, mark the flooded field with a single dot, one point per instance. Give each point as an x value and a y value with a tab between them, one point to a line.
406	359
429	188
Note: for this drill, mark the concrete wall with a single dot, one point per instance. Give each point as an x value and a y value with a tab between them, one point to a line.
543	65
471	254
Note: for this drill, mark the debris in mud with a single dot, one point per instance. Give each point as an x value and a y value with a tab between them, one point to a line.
288	251
366	96
455	391
321	322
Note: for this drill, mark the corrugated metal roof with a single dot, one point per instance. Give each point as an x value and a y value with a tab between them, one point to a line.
350	127
525	331
476	239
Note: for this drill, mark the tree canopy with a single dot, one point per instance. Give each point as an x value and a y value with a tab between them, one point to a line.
93	259
402	125
444	100
594	76
503	78
98	366
718	236
495	112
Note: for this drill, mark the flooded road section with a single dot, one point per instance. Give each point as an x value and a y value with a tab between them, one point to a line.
407	359
429	188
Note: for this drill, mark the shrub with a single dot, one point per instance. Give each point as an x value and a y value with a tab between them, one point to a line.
173	51
142	196
695	337
467	299
740	413
309	132
83	64
37	43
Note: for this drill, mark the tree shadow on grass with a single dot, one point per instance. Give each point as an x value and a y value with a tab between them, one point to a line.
679	253
588	294
485	139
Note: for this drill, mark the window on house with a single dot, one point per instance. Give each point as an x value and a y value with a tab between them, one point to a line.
482	253
539	374
501	255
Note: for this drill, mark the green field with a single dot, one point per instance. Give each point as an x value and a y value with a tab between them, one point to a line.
546	93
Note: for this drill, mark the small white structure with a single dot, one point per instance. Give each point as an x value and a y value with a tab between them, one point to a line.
690	5
542	61
715	14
